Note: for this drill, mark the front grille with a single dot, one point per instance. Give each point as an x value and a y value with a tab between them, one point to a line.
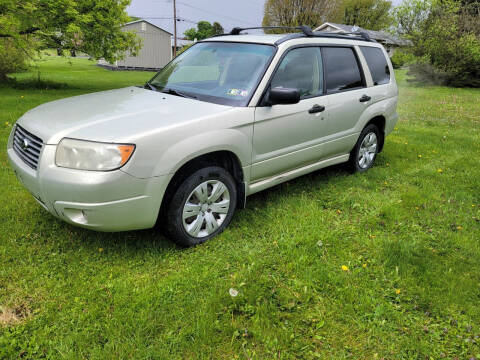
27	146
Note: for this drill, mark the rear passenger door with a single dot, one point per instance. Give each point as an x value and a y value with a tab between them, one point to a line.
348	97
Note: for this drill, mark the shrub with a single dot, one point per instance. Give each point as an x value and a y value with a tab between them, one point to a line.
402	58
12	59
451	45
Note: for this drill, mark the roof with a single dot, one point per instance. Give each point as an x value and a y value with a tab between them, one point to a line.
148	22
276	39
381	36
252	38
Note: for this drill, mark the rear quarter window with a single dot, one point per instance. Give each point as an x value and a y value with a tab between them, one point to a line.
377	64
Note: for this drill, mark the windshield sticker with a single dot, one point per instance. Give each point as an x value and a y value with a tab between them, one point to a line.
237	92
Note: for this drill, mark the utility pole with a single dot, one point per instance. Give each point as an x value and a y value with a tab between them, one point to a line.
174	28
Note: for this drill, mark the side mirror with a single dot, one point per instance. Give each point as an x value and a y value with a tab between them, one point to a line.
283	96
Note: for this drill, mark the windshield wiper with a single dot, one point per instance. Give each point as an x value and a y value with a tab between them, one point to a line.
151	86
178	93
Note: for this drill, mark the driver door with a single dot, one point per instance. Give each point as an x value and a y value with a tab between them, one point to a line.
290	136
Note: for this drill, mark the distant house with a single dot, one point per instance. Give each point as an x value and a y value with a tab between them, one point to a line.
156	51
389	41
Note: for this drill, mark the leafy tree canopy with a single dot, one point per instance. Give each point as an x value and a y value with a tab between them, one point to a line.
90	26
445	37
299	12
368	14
204	30
411	15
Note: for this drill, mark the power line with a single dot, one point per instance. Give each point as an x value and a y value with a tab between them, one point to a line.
214	13
166	18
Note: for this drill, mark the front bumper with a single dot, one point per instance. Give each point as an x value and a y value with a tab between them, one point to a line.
102	201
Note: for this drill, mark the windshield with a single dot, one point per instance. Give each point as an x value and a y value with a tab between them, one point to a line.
218	72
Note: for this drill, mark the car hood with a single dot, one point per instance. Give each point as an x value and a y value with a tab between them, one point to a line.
114	115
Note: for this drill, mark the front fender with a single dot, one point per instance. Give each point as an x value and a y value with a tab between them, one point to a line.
237	141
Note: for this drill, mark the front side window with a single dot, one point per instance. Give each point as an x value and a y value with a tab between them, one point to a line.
219	72
341	69
301	69
377	64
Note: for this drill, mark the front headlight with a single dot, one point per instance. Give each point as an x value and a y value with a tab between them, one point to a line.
89	155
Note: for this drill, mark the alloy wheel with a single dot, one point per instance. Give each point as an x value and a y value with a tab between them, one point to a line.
368	150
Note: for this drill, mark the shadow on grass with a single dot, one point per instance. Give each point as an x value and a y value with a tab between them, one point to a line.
296	185
155	239
35	84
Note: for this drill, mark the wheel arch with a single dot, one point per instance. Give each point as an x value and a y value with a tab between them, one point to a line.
225	159
379	121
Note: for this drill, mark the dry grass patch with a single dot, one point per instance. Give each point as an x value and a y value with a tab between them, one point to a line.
13	315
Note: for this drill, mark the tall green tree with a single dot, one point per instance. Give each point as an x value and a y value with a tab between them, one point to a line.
411	15
368	14
299	12
204	30
90	26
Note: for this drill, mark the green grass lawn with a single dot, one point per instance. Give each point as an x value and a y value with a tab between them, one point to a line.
384	264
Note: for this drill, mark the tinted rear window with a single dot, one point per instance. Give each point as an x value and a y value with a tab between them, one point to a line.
341	69
377	64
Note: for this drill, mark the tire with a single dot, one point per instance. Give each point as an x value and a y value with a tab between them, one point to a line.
363	155
211	196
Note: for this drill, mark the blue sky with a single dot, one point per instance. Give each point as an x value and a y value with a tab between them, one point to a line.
229	13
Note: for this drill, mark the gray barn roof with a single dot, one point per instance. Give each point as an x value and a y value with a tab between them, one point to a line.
148	22
380	36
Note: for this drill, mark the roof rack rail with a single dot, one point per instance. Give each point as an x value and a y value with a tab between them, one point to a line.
362	34
307	31
324	34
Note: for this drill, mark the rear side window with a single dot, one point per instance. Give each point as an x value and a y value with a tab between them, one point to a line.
341	69
377	64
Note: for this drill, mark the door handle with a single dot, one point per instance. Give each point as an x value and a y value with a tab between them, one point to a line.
365	98
316	109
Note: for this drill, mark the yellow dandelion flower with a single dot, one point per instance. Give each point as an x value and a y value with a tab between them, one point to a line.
339	211
459	227
419	156
364	265
397	291
440	171
100	249
417	208
344	267
406	143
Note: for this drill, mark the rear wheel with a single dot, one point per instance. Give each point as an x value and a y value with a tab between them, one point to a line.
365	151
202	206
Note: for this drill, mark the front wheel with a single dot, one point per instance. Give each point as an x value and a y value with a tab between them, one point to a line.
202	206
365	151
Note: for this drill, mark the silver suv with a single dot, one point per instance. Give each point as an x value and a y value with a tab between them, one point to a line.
229	117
